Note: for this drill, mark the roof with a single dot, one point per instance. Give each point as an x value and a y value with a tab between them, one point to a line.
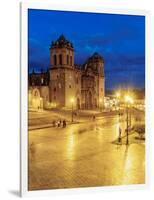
96	56
61	42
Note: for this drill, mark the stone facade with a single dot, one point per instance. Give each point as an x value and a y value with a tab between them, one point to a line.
65	83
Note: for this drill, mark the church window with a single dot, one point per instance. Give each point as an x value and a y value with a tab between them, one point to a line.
55	60
67	59
71	60
60	59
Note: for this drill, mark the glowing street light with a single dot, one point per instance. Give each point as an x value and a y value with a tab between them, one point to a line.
129	99
118	95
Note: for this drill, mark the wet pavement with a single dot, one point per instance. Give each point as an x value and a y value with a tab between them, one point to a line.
83	155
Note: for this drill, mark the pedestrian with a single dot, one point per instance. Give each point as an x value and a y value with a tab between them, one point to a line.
93	117
119	138
64	123
58	123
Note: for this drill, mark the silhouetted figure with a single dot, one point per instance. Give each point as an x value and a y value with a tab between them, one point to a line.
64	123
58	123
94	117
119	138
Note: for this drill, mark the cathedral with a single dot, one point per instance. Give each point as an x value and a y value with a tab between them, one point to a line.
66	84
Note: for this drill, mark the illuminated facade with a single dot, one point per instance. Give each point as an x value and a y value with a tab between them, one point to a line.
64	80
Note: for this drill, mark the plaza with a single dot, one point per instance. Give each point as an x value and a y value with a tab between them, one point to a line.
85	153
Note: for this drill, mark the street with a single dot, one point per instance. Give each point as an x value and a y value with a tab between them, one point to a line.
84	155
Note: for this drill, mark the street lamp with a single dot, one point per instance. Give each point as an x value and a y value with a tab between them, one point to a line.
100	101
129	101
118	95
72	101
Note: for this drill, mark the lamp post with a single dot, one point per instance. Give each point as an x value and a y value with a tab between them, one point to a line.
72	101
118	95
129	101
127	131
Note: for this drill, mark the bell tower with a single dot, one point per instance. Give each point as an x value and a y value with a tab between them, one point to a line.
61	72
61	53
95	64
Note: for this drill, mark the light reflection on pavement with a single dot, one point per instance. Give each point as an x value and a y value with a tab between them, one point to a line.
83	155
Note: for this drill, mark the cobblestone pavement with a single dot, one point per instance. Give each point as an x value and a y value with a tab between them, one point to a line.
83	155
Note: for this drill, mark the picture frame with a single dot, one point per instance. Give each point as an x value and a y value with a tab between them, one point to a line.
24	94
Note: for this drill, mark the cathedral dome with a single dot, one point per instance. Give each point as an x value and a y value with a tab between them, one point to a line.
94	63
96	57
61	42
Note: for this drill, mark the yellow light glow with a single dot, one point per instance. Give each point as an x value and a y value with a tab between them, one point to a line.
100	100
129	99
72	100
118	94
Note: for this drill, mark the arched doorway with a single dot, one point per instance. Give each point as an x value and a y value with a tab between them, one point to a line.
36	99
89	100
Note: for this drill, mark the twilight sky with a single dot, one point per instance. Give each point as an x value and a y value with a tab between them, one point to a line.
120	39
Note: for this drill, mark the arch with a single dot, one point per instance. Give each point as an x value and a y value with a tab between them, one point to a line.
36	93
36	100
88	100
67	59
71	60
55	60
60	59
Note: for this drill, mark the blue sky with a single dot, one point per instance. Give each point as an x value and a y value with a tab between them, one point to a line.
120	39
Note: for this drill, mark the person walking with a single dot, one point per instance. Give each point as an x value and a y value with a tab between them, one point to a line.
59	123
119	138
64	123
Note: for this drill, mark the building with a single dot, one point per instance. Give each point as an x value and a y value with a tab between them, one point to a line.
65	83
